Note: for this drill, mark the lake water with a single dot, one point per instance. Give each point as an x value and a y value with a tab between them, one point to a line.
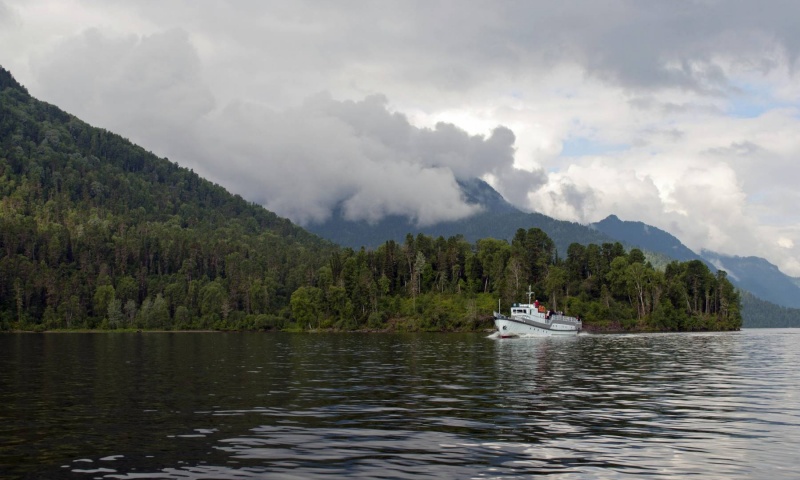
215	405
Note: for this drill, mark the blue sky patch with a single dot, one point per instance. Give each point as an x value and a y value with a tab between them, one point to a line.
582	146
748	107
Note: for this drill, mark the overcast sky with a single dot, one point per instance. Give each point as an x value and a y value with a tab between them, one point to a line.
681	114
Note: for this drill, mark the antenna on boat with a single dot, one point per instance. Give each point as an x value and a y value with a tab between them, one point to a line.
530	294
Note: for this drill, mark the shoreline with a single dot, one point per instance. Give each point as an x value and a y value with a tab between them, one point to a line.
585	331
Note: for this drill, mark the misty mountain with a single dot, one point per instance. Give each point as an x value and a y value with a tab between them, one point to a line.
478	192
497	219
759	277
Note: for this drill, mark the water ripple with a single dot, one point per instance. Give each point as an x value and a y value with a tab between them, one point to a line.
400	406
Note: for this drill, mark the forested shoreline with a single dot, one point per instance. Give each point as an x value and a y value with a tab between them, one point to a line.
97	233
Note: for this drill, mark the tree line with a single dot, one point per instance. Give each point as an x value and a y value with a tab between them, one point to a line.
104	272
449	284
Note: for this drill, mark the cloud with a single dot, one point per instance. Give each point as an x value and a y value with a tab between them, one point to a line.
280	52
147	87
8	17
588	192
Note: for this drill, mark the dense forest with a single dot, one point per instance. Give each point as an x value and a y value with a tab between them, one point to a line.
96	232
763	314
445	284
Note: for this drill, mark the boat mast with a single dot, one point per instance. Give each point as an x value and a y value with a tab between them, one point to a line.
530	294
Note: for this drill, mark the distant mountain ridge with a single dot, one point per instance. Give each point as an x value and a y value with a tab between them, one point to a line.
497	219
759	277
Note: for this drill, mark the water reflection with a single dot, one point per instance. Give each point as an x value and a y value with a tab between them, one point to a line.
399	406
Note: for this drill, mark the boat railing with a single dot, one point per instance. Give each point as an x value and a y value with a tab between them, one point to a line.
560	318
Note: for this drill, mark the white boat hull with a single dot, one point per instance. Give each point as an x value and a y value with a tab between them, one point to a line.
509	327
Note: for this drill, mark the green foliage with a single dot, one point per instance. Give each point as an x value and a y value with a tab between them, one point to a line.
760	313
442	285
307	306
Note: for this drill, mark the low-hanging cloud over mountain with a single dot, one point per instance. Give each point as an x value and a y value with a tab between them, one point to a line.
304	161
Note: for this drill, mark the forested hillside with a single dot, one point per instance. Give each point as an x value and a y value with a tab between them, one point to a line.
96	232
762	314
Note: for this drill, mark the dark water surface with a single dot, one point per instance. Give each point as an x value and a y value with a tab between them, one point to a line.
213	405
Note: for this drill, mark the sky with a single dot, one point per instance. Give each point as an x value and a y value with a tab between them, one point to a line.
681	114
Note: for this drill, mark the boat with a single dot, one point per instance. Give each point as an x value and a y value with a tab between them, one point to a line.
534	319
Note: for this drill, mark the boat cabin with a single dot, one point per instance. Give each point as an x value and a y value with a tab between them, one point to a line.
517	310
527	309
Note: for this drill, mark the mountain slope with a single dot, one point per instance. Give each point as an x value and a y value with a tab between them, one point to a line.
93	227
646	237
759	313
759	277
478	192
